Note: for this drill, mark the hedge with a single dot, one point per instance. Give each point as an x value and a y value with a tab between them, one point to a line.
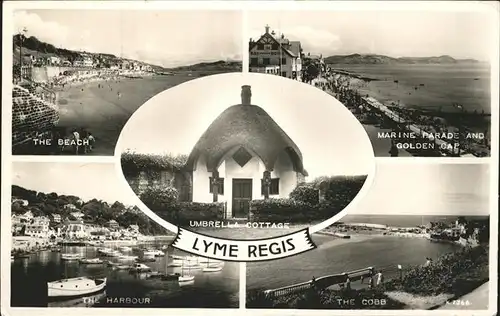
289	211
455	273
305	193
180	213
132	163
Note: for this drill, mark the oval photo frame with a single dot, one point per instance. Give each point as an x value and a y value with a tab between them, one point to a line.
243	126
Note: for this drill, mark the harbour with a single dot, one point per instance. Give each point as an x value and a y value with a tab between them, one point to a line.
146	275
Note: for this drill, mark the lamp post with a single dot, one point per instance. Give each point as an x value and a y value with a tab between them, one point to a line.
21	38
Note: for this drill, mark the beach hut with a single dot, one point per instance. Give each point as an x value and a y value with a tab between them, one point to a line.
244	155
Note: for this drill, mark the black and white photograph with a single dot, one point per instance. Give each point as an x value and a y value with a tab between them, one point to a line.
418	81
245	155
75	244
407	245
79	74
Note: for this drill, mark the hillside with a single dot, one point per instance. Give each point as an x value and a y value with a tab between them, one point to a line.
221	65
95	211
382	59
32	45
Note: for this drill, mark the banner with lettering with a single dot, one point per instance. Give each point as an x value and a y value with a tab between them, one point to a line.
243	250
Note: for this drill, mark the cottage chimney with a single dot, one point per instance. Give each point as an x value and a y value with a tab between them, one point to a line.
267	29
246	95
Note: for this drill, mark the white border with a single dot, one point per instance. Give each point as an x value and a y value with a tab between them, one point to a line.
489	7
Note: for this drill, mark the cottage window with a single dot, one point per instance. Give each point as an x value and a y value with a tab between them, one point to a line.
283	73
274	187
283	61
275	46
221	186
260	46
268	47
254	61
266	61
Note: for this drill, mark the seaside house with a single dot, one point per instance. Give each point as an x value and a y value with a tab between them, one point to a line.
21	202
70	207
56	218
113	224
17	223
244	155
74	230
38	229
41	220
124	64
88	62
54	60
28	216
78	62
277	55
77	215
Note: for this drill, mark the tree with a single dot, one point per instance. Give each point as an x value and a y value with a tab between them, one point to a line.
461	220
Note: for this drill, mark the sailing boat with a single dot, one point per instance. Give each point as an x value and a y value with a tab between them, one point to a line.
169	276
209	268
186	278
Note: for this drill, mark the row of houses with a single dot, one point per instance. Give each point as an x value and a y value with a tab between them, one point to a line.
85	61
41	227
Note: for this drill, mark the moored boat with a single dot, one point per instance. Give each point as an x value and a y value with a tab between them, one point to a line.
75	287
127	258
212	269
140	268
186	278
91	261
71	256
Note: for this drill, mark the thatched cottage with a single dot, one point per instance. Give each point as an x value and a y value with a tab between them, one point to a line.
244	155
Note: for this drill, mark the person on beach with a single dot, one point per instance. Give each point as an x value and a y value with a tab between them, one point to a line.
91	140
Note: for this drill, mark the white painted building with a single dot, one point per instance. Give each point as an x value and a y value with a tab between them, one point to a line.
37	229
277	55
244	155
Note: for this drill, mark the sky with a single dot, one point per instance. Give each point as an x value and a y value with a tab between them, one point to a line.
391	33
331	139
165	38
85	180
427	189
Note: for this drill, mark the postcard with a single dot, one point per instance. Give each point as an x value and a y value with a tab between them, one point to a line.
250	157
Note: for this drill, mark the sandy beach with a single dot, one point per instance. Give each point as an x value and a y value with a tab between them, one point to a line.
103	107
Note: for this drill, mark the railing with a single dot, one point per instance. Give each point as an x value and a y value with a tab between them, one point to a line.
320	283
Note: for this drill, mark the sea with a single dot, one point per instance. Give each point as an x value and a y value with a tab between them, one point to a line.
336	256
427	86
103	107
29	279
403	220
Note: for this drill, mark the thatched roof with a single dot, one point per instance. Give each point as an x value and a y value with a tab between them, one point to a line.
248	126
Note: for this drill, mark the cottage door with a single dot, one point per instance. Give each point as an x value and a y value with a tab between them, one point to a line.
242	195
